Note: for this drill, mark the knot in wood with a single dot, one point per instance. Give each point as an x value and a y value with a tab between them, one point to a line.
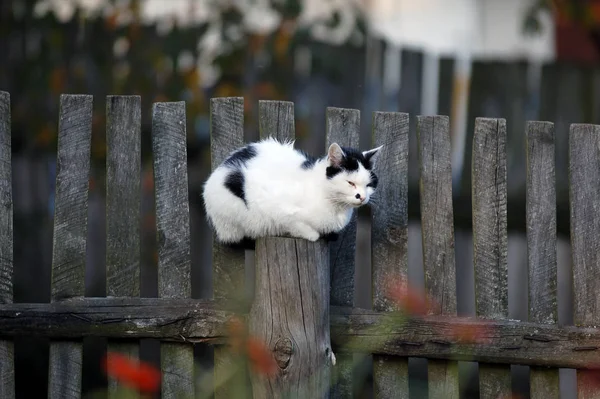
394	235
283	352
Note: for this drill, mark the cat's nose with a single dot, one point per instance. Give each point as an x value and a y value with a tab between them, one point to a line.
357	196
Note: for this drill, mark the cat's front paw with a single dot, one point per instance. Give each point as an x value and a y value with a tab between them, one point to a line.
312	236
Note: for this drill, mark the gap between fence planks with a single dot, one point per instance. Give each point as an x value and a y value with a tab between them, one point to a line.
343	127
123	199
70	234
169	147
7	372
389	237
490	240
584	193
437	229
226	135
541	244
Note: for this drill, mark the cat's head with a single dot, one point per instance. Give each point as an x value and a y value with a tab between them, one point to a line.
350	174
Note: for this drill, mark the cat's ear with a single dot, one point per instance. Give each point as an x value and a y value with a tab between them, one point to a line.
370	155
335	154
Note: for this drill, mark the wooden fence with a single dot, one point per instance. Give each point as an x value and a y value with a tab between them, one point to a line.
303	307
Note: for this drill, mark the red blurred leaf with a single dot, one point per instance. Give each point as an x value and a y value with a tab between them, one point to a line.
472	334
260	357
135	374
407	298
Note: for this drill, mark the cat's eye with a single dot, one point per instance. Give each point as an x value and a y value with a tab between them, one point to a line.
352	184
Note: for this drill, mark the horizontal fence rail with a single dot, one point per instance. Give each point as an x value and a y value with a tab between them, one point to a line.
303	311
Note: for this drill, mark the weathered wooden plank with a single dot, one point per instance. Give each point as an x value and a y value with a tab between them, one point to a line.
584	191
437	221
343	127
389	238
123	200
70	233
276	119
123	190
7	372
173	231
490	239
354	330
226	135
290	314
6	205
175	320
541	243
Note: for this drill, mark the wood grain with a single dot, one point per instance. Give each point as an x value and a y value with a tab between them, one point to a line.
389	237
123	200
226	135
290	314
276	119
7	372
437	221
541	244
490	240
169	142
70	233
343	127
584	191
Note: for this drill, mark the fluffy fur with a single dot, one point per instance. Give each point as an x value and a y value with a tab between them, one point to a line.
268	188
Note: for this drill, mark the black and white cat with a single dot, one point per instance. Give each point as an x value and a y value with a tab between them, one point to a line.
269	188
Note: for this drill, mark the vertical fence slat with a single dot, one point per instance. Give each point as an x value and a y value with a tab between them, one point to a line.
173	231
70	233
437	224
390	237
226	135
276	119
343	127
541	244
490	240
584	191
123	199
7	372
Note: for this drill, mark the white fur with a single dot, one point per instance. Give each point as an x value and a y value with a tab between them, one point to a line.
282	198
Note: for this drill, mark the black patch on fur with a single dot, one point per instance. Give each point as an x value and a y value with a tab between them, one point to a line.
235	183
330	236
352	158
374	180
241	156
309	160
332	171
245	243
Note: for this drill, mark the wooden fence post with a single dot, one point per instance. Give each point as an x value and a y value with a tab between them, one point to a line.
584	191
173	231
343	127
70	234
437	228
541	244
123	196
226	135
490	240
389	238
290	313
7	373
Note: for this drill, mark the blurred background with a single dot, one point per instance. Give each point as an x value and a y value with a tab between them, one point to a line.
516	59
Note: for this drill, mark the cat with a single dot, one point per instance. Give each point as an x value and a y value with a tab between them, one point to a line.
269	188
